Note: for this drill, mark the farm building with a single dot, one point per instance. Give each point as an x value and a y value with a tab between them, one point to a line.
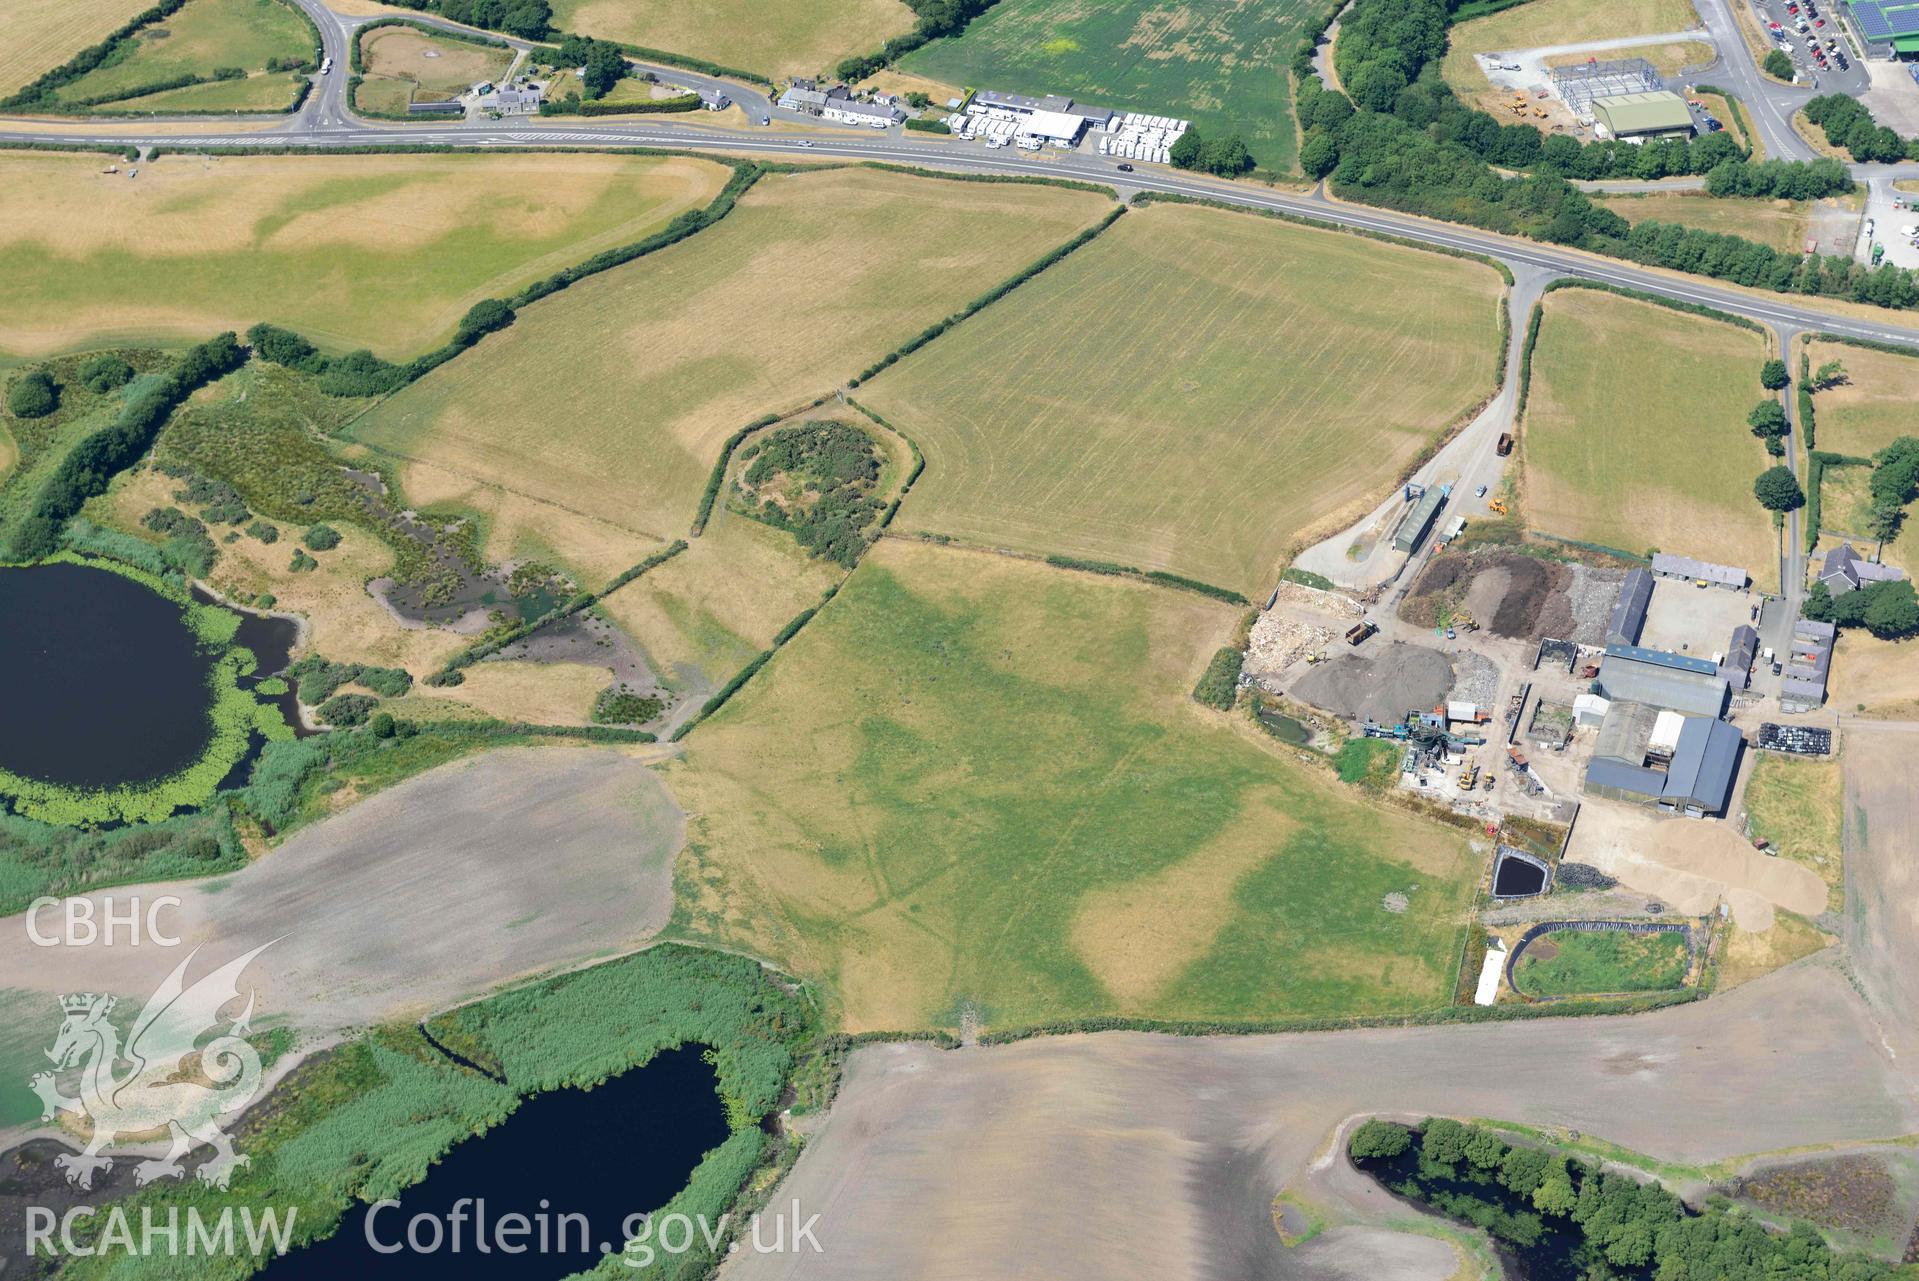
1629	612
1051	105
1686	764
1698	571
1845	570
1634	116
1414	525
447	107
1741	652
1578	84
1661	679
1886	28
808	98
1589	710
1803	688
521	101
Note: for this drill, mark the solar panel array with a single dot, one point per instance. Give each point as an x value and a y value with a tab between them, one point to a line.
1871	19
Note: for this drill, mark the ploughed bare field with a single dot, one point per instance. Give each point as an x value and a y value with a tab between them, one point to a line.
1128	1154
482	870
1882	869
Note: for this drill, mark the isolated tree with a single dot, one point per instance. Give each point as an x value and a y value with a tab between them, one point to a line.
33	395
1778	65
1777	489
1767	419
1830	374
1773	376
1318	155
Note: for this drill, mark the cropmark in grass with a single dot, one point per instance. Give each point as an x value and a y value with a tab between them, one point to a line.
612	399
1193	391
979	781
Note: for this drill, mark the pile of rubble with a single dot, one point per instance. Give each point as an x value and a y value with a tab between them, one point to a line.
1278	641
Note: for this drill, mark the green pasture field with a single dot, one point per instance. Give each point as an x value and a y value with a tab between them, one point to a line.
203	35
1872	406
261	91
1635	434
1595	962
353	251
1009	804
1222	65
783	37
609	402
1194	391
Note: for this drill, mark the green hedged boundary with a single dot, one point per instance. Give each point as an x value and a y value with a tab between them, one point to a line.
946	175
1306	578
988	298
684	102
912	475
1870	344
748	672
716	478
1425	1018
1304	220
1640	295
1526	360
582	600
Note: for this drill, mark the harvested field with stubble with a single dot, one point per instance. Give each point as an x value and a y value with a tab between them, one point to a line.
38	35
612	399
1635	433
1192	392
1007	803
1161	1156
195	40
785	37
353	251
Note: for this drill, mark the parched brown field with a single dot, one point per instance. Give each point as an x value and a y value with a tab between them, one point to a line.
1874	677
703	615
1782	224
38	35
406	64
1193	392
379	251
1635	433
611	400
1874	405
772	37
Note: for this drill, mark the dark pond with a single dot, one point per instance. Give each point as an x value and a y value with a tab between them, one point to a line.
1516	877
1285	728
621	1149
101	680
1556	1252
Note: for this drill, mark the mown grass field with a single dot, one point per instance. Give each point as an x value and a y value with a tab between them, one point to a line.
785	37
261	91
1872	407
38	35
1008	804
1779	223
1635	433
1539	23
379	251
407	64
1798	805
1221	65
203	35
1193	392
610	401
1592	962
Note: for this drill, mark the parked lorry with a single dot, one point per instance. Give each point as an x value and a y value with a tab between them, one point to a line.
1505	443
1360	631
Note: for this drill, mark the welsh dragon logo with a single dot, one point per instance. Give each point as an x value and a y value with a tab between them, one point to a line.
161	1090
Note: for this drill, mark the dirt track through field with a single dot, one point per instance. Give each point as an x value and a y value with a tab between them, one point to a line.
1126	1154
1882	870
487	868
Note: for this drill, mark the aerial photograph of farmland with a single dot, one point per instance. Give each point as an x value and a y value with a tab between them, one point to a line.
867	640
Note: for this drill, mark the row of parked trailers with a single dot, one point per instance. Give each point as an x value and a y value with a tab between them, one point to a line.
1134	150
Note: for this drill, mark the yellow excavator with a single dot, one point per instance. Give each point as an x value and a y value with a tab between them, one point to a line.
1497	506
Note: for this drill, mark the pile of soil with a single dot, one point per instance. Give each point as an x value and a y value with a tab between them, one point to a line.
1514	596
1385	684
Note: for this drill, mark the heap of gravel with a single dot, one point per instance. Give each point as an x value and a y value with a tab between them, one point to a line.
1592	594
1384	684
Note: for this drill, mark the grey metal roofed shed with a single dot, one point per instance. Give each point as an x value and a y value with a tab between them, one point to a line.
1604	774
1700	778
1689	690
1740	653
1667	566
1629	612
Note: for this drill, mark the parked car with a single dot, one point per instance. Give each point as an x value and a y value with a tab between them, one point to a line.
1125	168
1480	492
1840	58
